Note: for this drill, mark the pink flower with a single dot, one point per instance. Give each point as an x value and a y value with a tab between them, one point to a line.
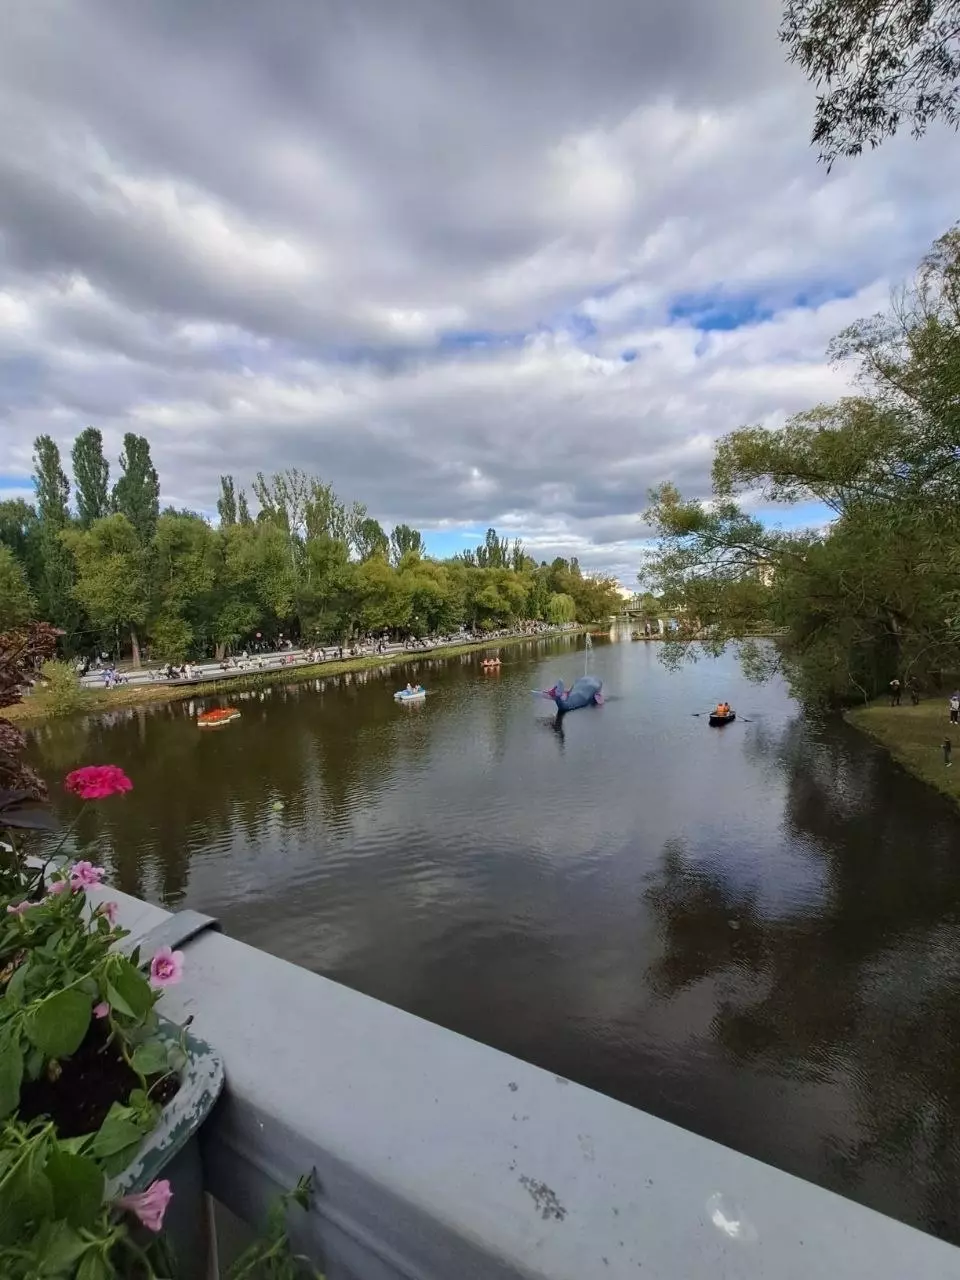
110	910
56	887
150	1205
84	875
95	781
101	1010
166	968
20	908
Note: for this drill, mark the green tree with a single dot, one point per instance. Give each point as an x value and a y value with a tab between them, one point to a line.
328	601
404	539
878	63
20	533
136	495
383	603
52	485
17	602
493	552
184	564
561	609
243	510
874	594
111	577
227	502
91	477
56	579
371	539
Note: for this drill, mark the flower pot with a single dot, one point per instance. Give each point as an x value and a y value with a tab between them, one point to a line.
172	1151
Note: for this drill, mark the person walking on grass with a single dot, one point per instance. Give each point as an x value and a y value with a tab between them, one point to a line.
947	749
955	707
894	692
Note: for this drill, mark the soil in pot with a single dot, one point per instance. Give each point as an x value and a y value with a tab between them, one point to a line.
87	1086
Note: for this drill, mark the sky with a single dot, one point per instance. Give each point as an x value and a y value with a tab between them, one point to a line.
502	264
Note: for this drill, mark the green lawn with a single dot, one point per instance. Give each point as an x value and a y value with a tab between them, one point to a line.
913	735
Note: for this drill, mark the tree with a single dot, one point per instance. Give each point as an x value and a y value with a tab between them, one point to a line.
91	476
328	597
227	502
493	552
561	609
243	510
52	485
404	539
20	532
56	577
879	63
17	602
371	539
874	594
111	576
184	563
136	495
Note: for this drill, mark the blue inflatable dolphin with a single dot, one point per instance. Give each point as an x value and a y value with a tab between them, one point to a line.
587	691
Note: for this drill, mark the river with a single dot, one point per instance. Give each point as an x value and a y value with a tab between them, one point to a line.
753	931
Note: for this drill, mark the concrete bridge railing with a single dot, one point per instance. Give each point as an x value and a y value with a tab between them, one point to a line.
437	1158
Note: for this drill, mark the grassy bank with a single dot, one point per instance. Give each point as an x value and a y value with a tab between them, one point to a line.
34	710
913	736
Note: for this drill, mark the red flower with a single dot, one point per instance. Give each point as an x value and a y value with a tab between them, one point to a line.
95	781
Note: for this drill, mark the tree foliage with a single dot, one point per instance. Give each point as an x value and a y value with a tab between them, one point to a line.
136	495
17	602
310	566
227	502
404	540
878	63
874	593
91	477
111	575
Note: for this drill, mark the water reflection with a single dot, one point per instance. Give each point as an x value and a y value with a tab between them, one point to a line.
752	933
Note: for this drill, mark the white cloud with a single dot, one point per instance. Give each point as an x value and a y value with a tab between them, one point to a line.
413	255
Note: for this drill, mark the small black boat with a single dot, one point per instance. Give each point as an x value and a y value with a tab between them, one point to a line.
719	721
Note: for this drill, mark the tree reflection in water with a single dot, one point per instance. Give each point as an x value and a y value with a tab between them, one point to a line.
858	993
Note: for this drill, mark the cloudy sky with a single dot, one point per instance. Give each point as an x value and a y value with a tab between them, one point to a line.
508	263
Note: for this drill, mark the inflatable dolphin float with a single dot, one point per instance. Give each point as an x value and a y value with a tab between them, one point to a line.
586	692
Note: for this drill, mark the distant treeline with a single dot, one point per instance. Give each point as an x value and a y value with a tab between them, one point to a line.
113	571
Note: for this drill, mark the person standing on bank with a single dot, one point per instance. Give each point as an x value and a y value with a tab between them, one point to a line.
894	692
955	707
947	749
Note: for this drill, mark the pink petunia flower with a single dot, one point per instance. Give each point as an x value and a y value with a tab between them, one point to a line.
166	968
150	1205
20	908
101	1010
83	875
96	781
56	887
111	910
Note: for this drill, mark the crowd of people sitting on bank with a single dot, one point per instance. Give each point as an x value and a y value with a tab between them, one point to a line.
261	654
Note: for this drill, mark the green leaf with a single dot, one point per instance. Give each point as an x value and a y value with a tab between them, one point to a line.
26	1198
117	1003
61	1251
151	1059
59	1023
15	987
117	1132
133	988
34	1061
77	1188
11	1074
94	1267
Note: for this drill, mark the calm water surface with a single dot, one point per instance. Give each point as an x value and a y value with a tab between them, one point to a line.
753	932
